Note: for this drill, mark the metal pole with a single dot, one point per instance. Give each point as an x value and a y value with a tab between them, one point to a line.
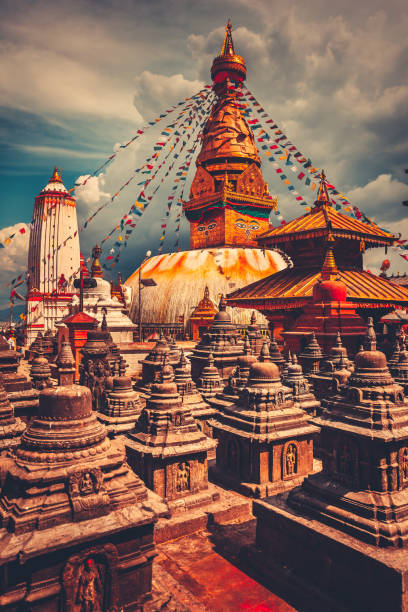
140	302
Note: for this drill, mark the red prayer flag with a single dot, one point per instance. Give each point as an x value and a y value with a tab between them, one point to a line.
22	230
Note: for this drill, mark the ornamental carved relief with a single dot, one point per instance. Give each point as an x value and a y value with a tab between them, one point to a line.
290	459
403	467
87	493
251	182
183	477
90	580
203	183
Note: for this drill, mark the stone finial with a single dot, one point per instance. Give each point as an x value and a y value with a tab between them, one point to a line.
370	340
253	318
247	346
264	355
66	365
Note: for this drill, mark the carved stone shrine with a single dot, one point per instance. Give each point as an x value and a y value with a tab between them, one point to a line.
18	388
265	443
121	407
76	523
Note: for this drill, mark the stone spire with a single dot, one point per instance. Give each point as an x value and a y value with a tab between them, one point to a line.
275	354
66	365
301	389
311	356
370	340
11	427
209	383
264	355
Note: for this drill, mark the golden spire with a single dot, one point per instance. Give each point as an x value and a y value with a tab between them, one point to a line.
228	46
329	267
228	64
56	176
322	194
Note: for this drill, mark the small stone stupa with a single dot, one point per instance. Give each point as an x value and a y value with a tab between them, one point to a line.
301	389
95	371
209	383
167	449
11	427
18	388
311	356
265	443
121	407
76	523
222	341
192	398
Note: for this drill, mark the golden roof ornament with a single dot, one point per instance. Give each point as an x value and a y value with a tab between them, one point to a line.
322	194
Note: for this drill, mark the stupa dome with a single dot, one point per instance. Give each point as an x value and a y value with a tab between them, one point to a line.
331	290
262	373
181	279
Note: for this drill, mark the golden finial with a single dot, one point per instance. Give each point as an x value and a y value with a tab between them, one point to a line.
322	194
56	176
329	267
228	46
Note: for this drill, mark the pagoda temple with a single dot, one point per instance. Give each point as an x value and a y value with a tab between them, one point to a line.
284	295
228	209
53	257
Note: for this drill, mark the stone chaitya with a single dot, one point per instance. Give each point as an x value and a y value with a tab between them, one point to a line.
95	371
11	427
256	339
354	512
201	410
18	388
265	443
167	449
311	356
209	383
274	354
65	363
40	371
152	364
76	523
222	341
399	370
336	366
121	407
301	389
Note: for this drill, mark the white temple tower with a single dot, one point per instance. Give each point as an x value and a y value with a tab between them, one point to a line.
53	257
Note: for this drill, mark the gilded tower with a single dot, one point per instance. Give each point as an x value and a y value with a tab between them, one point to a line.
229	201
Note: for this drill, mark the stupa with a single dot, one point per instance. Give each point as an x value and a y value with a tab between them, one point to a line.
311	356
98	301
325	245
201	410
19	389
341	531
53	257
95	371
301	389
11	427
167	449
222	341
229	207
202	316
209	383
265	443
120	407
76	523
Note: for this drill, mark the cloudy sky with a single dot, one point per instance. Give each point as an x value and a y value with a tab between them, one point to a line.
78	78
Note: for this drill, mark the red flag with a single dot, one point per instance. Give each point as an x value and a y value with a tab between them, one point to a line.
22	230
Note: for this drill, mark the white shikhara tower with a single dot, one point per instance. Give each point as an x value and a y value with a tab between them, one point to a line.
53	257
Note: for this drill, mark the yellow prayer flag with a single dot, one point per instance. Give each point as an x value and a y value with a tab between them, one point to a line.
286	182
7	241
162	238
313	186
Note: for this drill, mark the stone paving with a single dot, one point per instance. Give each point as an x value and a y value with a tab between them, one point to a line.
203	572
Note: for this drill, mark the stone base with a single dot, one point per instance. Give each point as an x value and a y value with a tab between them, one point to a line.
257	490
323	568
193	513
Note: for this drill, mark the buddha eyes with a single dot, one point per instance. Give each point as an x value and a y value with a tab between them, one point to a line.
211	226
202	228
253	226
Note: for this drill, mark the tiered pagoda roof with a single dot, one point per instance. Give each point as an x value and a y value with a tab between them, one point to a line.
305	240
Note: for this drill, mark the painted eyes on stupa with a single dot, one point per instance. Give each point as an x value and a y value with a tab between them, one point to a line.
241	224
203	228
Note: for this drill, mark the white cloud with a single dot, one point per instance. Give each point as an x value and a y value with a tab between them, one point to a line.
13	258
153	91
382	198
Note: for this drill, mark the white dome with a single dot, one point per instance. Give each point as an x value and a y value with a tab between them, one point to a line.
182	277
